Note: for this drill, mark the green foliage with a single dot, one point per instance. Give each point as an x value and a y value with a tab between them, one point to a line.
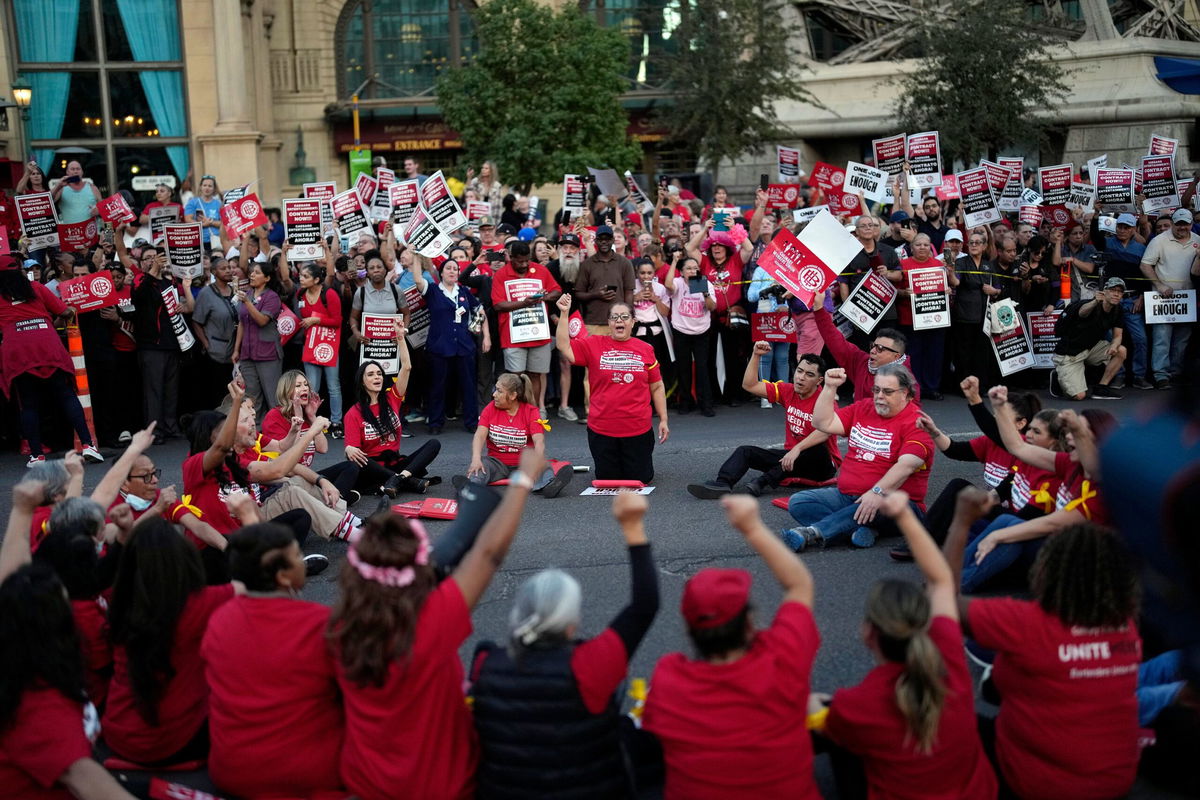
985	72
542	98
730	63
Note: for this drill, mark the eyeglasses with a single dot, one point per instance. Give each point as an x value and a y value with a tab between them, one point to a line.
620	317
147	476
879	348
881	390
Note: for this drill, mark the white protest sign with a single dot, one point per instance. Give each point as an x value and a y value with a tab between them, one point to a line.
574	196
302	226
1013	349
184	254
440	205
889	153
324	191
1031	197
930	298
869	301
39	220
801	215
789	163
1055	183
1010	195
529	324
1114	188
1162	145
379	341
978	200
381	207
424	236
925	158
610	183
1093	164
148	183
1179	307
1043	338
405	200
639	196
348	216
1159	191
866	181
1083	195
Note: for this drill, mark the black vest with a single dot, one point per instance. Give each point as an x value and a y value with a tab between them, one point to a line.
537	737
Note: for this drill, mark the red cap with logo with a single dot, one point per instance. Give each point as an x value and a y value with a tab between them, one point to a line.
715	596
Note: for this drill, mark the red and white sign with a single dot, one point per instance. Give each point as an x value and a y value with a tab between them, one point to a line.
998	175
91	292
379	341
426	238
1031	215
302	227
576	327
185	254
783	195
1162	145
440	205
115	210
349	218
809	265
1055	183
1009	198
1114	189
574	195
76	236
405	201
287	323
1013	350
949	189
925	158
827	176
321	346
365	186
1159	191
843	203
381	207
477	210
889	153
789	163
1043	337
1058	215
325	192
39	220
243	215
870	300
978	198
773	326
930	298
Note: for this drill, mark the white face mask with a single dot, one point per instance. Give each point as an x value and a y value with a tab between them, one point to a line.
138	503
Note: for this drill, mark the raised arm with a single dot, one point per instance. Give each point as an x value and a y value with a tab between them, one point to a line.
750	381
1032	455
280	467
939	577
400	385
789	570
1085	443
825	418
110	485
562	332
417	270
756	218
228	432
693	245
632	622
15	552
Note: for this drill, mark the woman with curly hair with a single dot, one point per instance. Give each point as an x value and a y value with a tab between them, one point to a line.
395	632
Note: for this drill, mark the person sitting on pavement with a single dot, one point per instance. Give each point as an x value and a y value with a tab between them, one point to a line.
1091	333
809	454
888	450
887	347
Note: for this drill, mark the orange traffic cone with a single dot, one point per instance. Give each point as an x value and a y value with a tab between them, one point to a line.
75	345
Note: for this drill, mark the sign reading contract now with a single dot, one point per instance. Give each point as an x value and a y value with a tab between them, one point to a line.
1179	307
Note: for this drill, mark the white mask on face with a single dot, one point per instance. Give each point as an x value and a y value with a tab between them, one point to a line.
137	503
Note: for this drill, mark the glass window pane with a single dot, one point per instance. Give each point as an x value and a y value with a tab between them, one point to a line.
134	113
116	43
141	160
353	53
40	31
82	117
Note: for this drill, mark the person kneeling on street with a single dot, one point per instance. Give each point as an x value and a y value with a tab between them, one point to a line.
888	450
1091	333
809	454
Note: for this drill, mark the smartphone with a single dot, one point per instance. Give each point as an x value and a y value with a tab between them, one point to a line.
698	285
721	220
566	216
536	296
612	287
764	181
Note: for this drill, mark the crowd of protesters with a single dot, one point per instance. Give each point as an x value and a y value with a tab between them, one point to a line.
169	626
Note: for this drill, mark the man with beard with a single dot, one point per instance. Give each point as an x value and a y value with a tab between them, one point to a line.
565	270
929	218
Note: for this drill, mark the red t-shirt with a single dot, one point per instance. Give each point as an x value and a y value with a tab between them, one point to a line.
620	374
275	714
49	732
876	444
904	304
208	493
276	427
363	435
91	620
508	285
725	280
866	721
509	434
1033	485
183	705
1077	492
799	416
997	462
1068	724
738	729
414	735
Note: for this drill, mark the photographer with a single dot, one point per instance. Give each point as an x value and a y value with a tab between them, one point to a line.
76	197
1083	338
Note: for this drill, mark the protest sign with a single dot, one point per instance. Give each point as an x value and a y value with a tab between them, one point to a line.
236	193
1010	196
1179	307
424	236
1043	337
889	153
440	205
1162	145
609	182
930	298
302	228
321	345
116	210
1137	177
325	192
381	204
185	253
418	317
179	326
869	301
1097	163
998	175
800	215
1055	183
1159	192
286	322
808	265
160	218
978	200
843	203
1030	215
1013	349
405	200
1059	216
949	189
827	176
242	216
638	194
1030	197
39	220
366	187
773	326
348	216
89	293
76	236
529	324
1083	196
789	163
379	341
574	196
477	210
865	181
782	195
1114	189
925	158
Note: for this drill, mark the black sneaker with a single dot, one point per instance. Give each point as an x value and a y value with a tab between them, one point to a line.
1162	383
1142	383
901	552
1102	392
315	564
559	482
709	490
459	481
755	488
392	487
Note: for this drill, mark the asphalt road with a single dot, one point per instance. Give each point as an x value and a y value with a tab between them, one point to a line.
579	535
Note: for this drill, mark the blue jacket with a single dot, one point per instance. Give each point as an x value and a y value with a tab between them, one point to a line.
448	331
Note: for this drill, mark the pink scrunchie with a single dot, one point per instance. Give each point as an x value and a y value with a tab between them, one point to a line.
393	576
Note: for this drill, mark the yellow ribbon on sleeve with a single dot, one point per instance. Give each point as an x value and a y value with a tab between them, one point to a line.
263	453
1042	498
1086	492
545	423
185	504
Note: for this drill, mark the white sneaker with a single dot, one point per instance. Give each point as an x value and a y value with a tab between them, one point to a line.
125	438
90	453
764	403
568	413
34	460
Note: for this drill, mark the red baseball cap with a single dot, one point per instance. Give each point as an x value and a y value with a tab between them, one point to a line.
715	596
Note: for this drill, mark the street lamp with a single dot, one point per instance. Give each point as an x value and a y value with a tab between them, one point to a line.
23	97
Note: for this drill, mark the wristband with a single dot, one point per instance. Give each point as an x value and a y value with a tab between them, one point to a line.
520	479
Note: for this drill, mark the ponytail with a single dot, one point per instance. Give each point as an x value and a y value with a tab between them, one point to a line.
900	614
526	394
520	385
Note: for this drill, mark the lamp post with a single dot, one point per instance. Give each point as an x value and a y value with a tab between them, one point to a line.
23	97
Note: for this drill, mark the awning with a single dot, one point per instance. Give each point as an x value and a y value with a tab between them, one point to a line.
1181	74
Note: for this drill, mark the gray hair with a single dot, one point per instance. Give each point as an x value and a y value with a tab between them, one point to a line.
77	515
901	373
52	473
547	604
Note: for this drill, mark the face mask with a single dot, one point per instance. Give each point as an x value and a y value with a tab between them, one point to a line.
138	503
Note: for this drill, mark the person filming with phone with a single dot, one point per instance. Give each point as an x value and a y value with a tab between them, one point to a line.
76	198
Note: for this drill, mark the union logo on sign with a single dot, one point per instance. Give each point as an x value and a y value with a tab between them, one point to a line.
849	201
102	287
838	177
1061	216
90	230
791	194
323	353
250	209
811	278
787	325
286	325
574	326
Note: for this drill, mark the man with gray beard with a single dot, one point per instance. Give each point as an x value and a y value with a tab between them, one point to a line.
565	270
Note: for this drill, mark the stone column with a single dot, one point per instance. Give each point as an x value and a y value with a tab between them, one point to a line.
230	57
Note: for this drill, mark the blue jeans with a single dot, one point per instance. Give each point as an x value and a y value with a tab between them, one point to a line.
1159	682
1135	341
1170	342
774	366
313	373
832	514
976	576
